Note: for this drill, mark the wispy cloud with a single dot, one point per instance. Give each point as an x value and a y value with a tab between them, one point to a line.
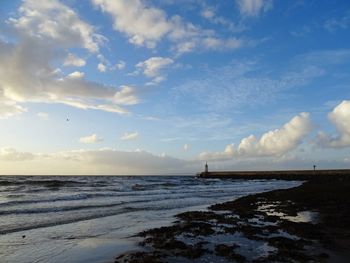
209	13
240	84
105	65
9	108
10	154
128	136
101	67
338	23
76	75
43	115
73	60
120	65
154	67
186	147
91	139
254	7
323	57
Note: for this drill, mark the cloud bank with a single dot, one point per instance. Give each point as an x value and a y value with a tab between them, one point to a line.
91	162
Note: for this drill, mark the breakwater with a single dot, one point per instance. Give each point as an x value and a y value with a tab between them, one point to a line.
282	175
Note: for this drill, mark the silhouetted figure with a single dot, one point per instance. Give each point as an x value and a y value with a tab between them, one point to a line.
314	167
206	168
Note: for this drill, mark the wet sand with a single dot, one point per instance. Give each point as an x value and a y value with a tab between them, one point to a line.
309	223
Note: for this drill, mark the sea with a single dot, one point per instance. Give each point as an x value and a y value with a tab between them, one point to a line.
95	218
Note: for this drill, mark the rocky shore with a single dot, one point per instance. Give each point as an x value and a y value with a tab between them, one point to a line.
309	223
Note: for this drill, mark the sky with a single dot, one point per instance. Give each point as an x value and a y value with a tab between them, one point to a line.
119	87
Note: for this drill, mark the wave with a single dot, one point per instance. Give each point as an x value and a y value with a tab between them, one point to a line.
46	183
35	202
96	214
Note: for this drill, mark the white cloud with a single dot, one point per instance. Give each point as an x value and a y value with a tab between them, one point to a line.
254	7
10	154
76	75
106	65
340	117
130	136
227	154
90	139
208	13
73	60
145	25
9	108
120	65
126	96
101	67
44	30
273	143
186	147
26	76
43	115
56	23
279	141
153	67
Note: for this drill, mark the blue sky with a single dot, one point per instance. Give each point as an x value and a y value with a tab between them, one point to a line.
160	87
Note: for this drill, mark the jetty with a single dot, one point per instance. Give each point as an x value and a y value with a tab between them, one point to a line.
280	175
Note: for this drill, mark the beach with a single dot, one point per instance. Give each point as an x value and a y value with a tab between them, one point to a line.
174	219
307	223
95	218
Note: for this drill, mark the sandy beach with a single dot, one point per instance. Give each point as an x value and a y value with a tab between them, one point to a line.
309	223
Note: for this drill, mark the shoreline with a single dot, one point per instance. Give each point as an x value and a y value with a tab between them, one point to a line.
140	204
310	222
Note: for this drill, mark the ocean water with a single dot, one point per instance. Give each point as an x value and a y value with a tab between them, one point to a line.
93	219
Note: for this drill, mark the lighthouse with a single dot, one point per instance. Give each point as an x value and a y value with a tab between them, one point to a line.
206	168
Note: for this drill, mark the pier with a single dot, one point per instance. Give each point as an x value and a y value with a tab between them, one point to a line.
281	175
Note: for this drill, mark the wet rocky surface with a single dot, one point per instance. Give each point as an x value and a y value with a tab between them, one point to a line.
309	223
